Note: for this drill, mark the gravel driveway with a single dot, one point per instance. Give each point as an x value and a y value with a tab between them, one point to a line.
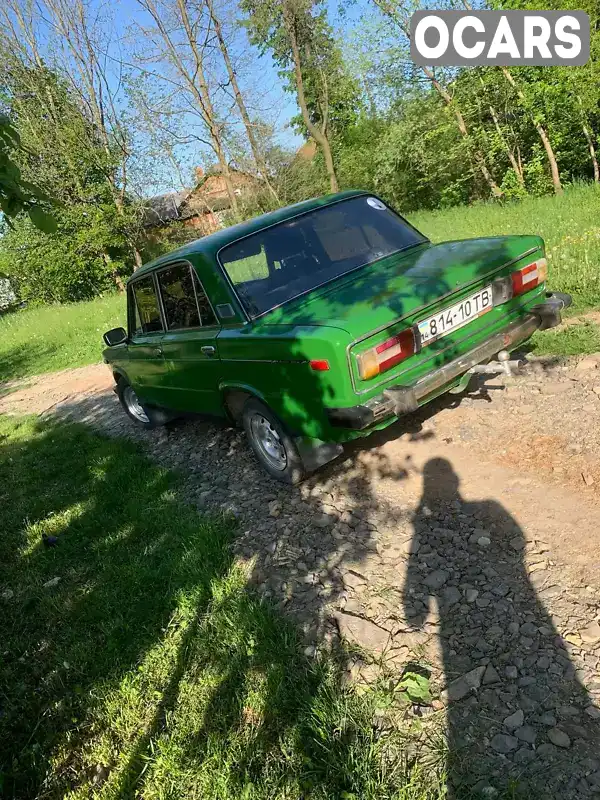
464	543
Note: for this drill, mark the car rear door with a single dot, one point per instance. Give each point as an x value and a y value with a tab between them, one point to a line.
189	344
146	368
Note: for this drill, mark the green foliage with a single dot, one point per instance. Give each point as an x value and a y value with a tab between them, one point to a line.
47	338
16	194
568	224
416	687
86	249
77	262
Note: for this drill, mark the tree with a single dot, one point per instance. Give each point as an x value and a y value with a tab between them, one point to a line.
297	34
180	42
399	15
18	195
239	100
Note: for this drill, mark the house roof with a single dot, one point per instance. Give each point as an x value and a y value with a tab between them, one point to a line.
165	207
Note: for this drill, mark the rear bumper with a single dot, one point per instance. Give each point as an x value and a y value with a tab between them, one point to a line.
398	400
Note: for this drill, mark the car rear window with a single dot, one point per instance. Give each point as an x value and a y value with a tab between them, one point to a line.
291	258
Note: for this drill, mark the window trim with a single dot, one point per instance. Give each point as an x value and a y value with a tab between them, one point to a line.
130	285
249	317
194	277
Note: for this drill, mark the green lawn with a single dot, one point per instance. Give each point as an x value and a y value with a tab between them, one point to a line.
49	338
570	226
135	662
55	337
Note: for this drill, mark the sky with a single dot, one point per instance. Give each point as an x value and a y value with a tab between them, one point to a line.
277	105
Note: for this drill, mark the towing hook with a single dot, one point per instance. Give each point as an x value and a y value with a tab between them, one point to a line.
503	364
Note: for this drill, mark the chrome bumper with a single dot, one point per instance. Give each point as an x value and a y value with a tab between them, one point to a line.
398	400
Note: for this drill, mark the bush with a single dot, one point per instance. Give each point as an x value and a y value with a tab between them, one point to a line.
86	256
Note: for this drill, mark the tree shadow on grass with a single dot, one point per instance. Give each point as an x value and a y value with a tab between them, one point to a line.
131	569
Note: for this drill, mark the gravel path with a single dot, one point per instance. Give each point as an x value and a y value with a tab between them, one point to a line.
464	543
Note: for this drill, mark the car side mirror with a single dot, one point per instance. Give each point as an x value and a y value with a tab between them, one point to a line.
115	336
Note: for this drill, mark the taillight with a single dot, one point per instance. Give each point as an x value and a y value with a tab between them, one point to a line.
386	355
529	277
519	282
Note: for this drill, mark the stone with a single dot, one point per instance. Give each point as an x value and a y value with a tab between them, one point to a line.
362	632
546	749
528	628
558	737
504	743
591	634
588	478
451	595
526	734
588	363
310	650
517	543
524	755
548	719
484	541
514	720
464	685
324	520
511	672
274	508
8	594
471	595
555	387
490	676
436	579
51	583
593	712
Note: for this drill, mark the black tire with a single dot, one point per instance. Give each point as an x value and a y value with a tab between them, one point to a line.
141	414
271	443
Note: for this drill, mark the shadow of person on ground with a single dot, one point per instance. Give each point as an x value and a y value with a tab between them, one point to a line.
518	718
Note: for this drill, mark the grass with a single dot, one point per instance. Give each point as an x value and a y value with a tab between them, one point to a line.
570	226
48	338
135	662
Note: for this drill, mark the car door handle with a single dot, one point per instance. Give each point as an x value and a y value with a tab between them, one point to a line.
208	350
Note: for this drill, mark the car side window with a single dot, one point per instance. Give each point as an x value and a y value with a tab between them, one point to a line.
179	298
146	310
207	315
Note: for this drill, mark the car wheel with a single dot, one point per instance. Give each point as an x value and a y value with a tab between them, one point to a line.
143	415
271	443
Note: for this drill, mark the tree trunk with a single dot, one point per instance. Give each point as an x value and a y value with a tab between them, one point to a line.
538	126
592	150
317	134
462	127
511	156
590	142
239	99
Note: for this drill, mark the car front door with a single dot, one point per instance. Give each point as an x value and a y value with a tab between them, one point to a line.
146	368
189	344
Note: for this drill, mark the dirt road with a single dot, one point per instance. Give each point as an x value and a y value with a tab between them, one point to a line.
464	542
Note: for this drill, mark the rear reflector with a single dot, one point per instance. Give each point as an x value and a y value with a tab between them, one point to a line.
319	366
386	355
529	277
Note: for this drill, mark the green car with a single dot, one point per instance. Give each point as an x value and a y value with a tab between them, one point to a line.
322	322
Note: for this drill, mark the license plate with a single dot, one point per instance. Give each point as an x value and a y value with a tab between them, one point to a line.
450	319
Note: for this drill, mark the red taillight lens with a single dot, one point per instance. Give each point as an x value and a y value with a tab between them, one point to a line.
319	365
387	354
529	277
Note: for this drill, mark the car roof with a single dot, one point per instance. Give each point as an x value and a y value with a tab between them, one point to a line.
211	244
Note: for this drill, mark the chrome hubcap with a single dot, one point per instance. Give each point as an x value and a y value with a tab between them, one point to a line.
133	405
268	442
